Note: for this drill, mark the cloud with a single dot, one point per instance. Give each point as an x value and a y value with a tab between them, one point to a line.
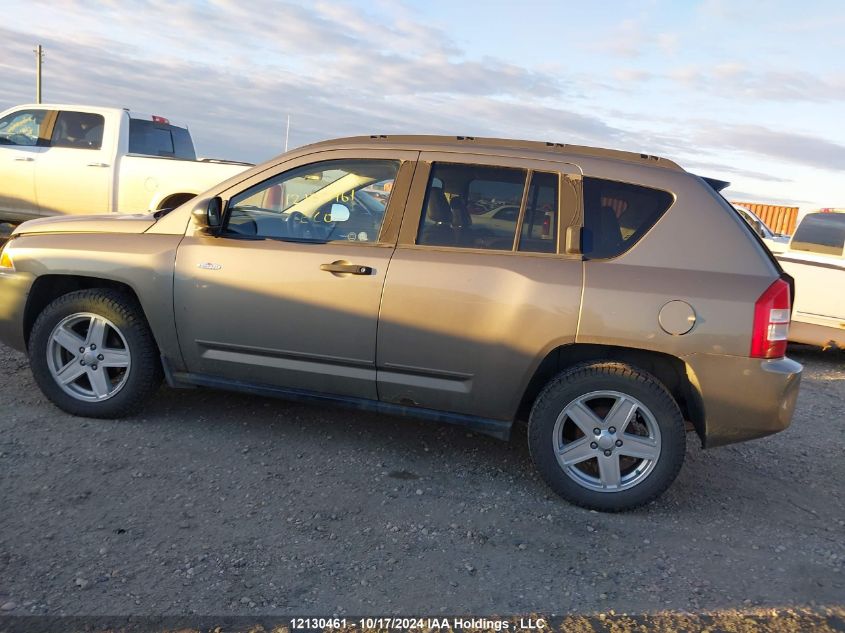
238	110
785	146
735	80
720	169
735	195
624	40
632	75
669	43
234	70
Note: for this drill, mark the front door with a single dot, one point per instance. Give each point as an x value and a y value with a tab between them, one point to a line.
288	294
20	150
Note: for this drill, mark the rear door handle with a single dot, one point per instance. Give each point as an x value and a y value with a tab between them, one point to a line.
98	165
28	159
352	269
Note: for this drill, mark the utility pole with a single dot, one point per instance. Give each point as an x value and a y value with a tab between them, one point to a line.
287	134
39	58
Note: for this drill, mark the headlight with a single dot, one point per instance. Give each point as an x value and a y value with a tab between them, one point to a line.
6	263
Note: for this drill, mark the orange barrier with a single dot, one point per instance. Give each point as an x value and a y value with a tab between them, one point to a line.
779	219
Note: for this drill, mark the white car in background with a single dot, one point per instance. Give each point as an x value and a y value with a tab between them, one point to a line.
500	220
77	160
776	242
816	260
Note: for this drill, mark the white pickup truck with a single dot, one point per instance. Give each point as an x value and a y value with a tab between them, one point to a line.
70	159
816	260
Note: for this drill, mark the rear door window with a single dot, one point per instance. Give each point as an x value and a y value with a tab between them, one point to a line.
822	233
539	226
153	138
472	206
618	214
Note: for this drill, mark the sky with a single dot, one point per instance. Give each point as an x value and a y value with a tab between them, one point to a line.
749	92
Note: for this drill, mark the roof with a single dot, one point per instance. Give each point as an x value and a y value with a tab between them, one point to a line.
79	107
472	144
66	106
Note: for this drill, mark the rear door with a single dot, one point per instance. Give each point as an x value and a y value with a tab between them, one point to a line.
74	174
472	303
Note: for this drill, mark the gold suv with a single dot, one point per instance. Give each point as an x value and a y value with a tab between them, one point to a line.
611	299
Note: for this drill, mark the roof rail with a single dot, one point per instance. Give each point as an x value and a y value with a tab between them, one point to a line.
446	143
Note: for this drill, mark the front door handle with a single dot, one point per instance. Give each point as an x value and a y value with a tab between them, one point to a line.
28	159
343	267
98	165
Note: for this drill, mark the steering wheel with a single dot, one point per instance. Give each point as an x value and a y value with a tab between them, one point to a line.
17	138
299	225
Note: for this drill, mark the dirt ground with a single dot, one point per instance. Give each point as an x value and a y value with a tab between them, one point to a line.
215	503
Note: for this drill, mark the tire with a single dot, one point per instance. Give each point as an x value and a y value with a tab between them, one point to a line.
578	464
109	380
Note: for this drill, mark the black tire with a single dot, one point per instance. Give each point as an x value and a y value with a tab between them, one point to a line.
144	375
597	376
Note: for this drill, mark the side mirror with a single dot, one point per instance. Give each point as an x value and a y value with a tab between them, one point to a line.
208	213
339	213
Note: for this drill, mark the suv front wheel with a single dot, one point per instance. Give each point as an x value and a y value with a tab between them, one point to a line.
607	436
92	354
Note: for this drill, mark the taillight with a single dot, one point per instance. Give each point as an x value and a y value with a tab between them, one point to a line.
771	322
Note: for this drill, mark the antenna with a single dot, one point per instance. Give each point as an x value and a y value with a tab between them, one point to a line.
287	134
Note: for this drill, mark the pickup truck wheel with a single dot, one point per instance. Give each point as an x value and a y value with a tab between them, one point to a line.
92	354
607	436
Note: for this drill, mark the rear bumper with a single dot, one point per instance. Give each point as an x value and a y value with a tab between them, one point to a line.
744	398
14	290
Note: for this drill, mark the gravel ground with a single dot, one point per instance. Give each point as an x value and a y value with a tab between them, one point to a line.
215	503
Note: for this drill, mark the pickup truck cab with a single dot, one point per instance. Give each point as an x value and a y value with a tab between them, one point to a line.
72	159
816	260
353	272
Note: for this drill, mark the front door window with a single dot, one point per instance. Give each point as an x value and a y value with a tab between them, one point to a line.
21	128
330	201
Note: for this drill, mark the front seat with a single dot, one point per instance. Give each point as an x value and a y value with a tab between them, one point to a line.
438	231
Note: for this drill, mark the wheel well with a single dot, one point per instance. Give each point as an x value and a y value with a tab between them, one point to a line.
174	200
50	287
670	370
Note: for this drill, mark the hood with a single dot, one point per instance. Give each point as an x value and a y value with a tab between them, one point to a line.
136	223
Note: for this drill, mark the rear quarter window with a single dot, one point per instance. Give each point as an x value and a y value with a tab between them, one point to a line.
618	214
822	233
152	138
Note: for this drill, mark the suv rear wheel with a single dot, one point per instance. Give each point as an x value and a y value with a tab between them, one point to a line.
607	436
92	354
